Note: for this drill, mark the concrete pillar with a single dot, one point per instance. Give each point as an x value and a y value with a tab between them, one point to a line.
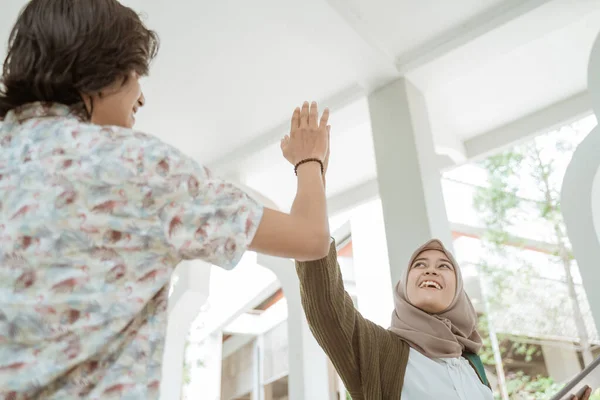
580	197
371	263
308	375
408	172
258	390
204	361
562	362
190	292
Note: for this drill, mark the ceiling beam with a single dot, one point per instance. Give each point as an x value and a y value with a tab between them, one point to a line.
352	197
455	38
541	121
213	323
552	117
230	161
451	40
355	21
362	193
512	240
235	343
480	146
367	191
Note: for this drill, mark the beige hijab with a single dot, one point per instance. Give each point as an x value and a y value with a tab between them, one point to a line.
443	335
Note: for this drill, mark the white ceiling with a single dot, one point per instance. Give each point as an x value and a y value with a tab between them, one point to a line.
403	26
546	63
230	72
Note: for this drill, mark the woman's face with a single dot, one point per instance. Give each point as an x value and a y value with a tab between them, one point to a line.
117	104
431	282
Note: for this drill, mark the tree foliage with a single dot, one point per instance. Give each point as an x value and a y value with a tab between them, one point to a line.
523	187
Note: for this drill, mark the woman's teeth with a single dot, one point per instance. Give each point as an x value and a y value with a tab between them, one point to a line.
430	284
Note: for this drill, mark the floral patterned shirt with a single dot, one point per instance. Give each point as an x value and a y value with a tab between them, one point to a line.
93	221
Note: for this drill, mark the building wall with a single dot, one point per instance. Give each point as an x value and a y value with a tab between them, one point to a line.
275	353
238	373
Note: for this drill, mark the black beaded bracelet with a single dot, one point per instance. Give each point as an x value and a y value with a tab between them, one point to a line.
307	161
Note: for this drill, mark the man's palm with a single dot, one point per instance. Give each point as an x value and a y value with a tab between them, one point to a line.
288	156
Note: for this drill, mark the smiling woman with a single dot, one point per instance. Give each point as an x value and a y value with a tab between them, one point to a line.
430	349
432	311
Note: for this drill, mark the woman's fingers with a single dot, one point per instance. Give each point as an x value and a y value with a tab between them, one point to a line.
585	396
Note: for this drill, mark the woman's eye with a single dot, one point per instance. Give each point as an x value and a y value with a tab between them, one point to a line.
418	265
445	266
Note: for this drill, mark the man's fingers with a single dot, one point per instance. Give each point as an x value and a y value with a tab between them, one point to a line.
295	120
304	115
324	118
313	115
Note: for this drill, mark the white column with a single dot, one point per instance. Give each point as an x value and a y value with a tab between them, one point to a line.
189	295
371	263
580	197
258	391
408	172
205	361
308	375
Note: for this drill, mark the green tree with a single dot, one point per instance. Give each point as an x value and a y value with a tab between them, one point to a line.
523	185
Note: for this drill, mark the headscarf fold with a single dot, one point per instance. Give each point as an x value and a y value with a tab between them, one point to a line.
444	335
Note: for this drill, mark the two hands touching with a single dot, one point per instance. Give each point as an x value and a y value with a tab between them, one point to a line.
308	138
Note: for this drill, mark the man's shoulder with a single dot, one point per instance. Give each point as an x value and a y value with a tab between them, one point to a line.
111	137
165	159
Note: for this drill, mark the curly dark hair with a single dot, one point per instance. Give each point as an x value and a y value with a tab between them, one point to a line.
59	49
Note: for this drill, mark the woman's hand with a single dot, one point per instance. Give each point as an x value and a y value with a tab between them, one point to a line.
585	396
309	137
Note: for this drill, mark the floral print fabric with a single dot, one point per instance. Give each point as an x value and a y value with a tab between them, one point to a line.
93	221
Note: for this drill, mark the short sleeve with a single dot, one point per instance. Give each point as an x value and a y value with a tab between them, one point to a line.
202	217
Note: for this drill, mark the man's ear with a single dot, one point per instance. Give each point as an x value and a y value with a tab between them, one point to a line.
87	102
